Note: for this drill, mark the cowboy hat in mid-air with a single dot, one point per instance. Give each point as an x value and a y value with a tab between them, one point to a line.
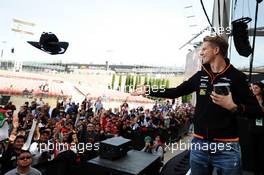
49	43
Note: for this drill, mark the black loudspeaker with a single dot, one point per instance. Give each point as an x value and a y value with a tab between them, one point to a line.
240	36
114	148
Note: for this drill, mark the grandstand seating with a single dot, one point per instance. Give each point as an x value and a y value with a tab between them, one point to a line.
14	83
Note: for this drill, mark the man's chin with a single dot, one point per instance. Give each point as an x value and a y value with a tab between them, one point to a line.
25	165
205	61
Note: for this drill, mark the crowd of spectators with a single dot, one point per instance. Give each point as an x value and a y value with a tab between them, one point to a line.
69	134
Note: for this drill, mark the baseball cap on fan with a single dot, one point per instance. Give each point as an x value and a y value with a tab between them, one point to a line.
49	43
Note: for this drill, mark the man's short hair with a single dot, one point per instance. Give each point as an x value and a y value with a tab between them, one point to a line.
25	151
20	137
218	41
42	132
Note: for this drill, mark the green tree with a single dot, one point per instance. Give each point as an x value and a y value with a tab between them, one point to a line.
139	80
167	83
132	82
146	81
150	82
113	81
127	83
186	98
119	82
158	83
163	83
155	81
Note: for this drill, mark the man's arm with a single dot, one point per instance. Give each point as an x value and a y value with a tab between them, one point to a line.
185	88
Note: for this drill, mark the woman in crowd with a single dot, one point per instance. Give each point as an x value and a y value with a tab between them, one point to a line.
257	131
258	91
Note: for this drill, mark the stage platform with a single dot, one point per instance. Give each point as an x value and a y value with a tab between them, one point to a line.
134	163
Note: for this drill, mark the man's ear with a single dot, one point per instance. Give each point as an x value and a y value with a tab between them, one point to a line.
216	50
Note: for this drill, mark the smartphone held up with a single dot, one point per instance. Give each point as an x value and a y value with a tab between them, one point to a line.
222	88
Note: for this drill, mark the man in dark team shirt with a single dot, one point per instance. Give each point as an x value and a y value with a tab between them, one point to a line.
215	142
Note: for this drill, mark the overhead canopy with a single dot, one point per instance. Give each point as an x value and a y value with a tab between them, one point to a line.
259	32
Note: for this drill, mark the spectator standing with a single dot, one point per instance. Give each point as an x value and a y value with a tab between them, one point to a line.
257	132
24	162
215	120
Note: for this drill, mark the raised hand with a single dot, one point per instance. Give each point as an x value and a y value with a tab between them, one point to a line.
15	122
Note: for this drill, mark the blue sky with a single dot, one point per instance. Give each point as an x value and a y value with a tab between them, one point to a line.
145	32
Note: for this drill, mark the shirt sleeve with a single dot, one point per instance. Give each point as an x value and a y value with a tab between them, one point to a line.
185	88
